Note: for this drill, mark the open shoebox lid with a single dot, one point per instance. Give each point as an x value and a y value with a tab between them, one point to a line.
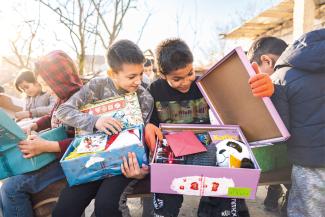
226	90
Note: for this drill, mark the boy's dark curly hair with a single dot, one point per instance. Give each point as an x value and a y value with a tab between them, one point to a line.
173	54
124	52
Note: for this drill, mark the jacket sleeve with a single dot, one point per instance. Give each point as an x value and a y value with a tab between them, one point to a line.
43	123
44	110
69	113
146	104
281	103
64	144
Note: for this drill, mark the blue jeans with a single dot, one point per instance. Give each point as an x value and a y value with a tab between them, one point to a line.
15	192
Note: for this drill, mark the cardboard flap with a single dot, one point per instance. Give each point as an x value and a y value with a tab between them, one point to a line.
226	89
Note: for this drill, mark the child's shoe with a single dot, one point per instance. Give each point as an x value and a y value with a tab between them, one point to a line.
274	192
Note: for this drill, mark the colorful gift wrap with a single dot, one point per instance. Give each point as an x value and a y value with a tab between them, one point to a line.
124	108
87	167
204	180
12	161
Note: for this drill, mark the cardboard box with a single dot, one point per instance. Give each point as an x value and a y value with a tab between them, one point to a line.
225	87
12	161
163	176
98	165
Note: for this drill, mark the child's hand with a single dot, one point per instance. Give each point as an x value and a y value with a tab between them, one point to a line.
21	115
150	133
107	123
34	145
130	168
261	83
30	128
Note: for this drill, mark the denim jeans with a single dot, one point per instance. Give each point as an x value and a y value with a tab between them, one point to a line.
15	191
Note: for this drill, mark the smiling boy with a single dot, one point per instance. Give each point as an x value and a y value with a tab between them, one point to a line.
177	99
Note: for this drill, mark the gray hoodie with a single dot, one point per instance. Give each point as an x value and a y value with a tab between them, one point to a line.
40	105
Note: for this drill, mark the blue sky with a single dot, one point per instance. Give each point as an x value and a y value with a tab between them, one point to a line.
197	23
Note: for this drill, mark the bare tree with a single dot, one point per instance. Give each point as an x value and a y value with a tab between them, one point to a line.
90	20
76	16
110	28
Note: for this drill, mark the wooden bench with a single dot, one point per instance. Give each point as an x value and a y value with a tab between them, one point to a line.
44	201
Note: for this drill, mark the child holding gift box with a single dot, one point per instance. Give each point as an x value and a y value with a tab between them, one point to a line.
126	61
177	99
38	103
58	71
264	52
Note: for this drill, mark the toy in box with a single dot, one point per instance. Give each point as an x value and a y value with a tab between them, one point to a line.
12	161
124	108
96	156
214	167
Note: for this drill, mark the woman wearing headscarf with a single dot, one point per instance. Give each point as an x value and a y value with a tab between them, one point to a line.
57	71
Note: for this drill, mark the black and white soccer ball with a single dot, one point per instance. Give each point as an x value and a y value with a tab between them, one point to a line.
228	149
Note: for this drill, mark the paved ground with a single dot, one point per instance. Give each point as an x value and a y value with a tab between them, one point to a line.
190	205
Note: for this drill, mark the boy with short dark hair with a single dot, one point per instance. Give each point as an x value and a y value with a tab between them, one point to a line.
126	62
265	51
177	99
38	102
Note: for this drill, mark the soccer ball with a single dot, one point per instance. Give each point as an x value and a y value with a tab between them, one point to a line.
230	153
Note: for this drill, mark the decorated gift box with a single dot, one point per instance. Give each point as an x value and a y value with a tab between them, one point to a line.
12	161
96	156
216	167
93	156
124	108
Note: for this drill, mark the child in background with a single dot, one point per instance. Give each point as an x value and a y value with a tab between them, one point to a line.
265	51
177	99
58	71
126	62
38	103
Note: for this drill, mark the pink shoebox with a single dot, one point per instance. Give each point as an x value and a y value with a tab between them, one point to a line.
226	89
204	180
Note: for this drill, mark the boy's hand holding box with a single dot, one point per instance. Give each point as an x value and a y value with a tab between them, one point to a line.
95	156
